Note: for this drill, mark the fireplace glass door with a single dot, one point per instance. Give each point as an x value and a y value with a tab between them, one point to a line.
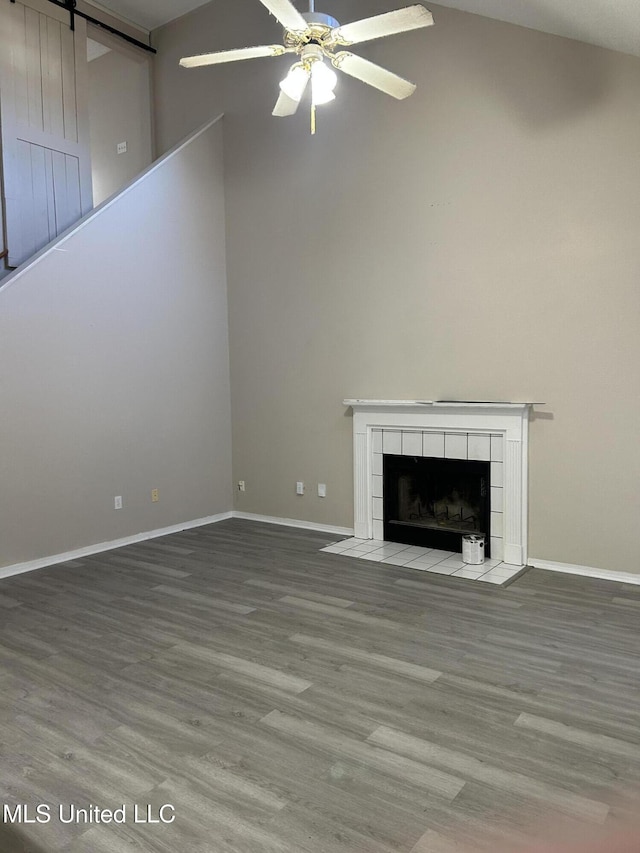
434	502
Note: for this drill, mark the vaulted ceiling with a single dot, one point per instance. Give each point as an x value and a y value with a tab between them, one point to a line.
609	23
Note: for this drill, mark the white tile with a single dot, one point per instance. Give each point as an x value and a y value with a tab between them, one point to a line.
374	556
376	464
428	560
506	570
377	486
416	551
442	554
497	477
455	445
334	549
466	573
411	443
433	444
352	552
423	562
391	548
439	569
479	447
497	499
368	546
378	509
498	572
497	453
497	548
489	578
454	564
352	542
376	437
497	524
397	560
392	441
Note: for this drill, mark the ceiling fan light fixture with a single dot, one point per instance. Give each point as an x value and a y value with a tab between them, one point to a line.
295	82
318	39
323	82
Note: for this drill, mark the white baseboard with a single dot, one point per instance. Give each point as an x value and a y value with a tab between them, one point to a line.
585	571
295	522
43	562
55	559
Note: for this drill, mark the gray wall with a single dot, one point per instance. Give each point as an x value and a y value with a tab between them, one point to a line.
119	111
115	373
478	240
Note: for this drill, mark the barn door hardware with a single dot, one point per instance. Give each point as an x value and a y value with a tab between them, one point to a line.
71	7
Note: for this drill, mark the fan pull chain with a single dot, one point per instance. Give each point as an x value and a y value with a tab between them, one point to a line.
313	119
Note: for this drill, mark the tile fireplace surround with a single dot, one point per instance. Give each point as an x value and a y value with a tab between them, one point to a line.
493	432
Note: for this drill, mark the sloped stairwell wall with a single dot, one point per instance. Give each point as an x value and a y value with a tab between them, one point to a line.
114	367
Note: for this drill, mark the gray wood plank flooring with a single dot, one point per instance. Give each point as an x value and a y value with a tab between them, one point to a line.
291	701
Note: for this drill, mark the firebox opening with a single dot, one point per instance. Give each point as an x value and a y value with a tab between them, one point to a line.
433	502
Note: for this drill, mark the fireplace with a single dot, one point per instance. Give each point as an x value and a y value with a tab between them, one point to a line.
495	434
434	502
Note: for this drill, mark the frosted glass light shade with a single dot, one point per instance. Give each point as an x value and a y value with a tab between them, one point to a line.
323	82
295	82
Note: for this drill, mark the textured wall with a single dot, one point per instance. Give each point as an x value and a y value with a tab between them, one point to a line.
478	240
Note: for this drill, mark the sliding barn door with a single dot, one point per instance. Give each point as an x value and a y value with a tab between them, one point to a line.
45	126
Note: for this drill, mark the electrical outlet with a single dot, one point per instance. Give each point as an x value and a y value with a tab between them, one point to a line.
299	488
155	495
322	490
117	502
121	147
241	486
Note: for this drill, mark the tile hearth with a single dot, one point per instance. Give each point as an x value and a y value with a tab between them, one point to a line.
424	560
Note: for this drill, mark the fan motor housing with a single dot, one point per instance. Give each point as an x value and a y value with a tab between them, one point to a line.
320	26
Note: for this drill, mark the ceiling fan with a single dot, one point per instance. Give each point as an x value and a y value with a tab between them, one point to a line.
314	37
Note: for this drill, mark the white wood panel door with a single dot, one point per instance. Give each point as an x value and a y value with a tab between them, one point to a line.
45	124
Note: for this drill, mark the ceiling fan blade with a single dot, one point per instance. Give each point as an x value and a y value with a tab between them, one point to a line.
398	21
285	106
373	74
232	55
285	12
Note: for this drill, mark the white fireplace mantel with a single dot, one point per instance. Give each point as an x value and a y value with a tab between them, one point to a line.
493	431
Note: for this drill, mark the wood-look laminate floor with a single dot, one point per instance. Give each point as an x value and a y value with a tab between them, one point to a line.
290	701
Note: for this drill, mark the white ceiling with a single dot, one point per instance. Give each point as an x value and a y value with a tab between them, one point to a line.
610	23
149	14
